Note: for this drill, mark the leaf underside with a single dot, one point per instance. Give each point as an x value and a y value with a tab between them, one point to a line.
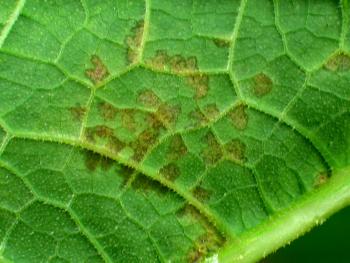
159	130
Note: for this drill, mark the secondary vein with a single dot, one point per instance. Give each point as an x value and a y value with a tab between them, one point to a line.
11	21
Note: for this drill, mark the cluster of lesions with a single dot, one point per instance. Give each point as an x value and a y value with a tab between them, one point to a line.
204	238
211	150
208	242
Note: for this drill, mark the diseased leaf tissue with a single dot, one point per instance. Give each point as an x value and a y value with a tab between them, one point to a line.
161	131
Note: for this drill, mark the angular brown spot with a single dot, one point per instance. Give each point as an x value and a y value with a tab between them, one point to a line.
143	142
213	152
78	112
144	185
170	171
262	85
168	114
206	244
128	119
201	194
107	111
148	98
99	131
340	62
160	60
124	172
235	150
197	117
134	42
93	134
239	117
177	148
200	83
115	145
93	160
221	43
211	111
176	63
99	72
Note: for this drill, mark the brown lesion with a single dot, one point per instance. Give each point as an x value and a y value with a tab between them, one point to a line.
148	98
144	141
106	135
262	85
221	43
168	114
99	72
175	63
197	117
170	171
200	83
207	242
93	160
235	150
134	42
78	112
107	111
211	111
212	153
239	117
128	120
201	193
339	62
177	148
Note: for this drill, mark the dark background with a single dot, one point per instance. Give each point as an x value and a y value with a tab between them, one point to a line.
328	243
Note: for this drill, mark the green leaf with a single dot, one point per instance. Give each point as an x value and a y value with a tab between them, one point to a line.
170	131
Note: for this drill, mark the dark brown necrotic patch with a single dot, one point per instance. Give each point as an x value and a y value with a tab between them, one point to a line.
107	111
177	148
262	85
235	150
99	72
212	153
239	117
339	62
170	171
200	83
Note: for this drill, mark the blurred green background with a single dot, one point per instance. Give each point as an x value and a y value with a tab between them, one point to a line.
329	243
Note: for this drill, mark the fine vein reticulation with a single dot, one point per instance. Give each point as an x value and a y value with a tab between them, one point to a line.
158	131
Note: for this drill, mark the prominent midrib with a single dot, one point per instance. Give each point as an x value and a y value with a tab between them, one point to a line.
313	209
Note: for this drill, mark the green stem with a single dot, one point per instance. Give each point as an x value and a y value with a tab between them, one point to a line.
288	225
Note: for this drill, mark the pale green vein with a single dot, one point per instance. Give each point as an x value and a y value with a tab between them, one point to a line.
11	21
